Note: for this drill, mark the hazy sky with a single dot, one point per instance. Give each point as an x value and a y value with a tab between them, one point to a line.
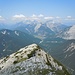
60	8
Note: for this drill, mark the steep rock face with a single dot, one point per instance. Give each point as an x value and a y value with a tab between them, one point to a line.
31	60
71	32
68	33
69	56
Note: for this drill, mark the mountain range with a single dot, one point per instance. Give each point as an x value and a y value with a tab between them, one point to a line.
56	38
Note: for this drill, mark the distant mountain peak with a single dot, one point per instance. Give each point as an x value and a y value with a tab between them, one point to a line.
31	60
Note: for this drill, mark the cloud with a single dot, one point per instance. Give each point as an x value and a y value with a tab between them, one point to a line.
18	18
1	19
69	18
57	17
47	18
34	16
21	17
40	15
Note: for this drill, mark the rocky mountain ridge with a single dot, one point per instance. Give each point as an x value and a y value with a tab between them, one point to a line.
31	60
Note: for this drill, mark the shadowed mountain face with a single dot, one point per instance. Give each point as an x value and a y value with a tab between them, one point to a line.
11	41
31	60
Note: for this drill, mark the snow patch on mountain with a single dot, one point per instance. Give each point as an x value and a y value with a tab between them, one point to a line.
16	33
4	32
27	30
37	27
70	48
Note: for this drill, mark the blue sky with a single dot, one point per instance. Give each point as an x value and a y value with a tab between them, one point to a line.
60	8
